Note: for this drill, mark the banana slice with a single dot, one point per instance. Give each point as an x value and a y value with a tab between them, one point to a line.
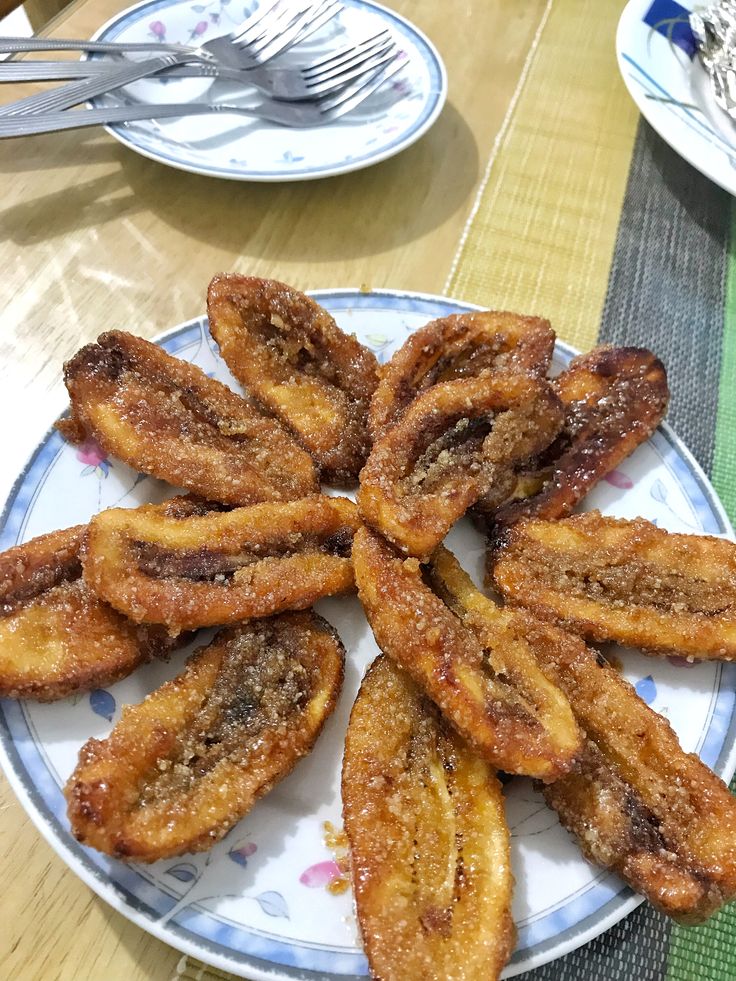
491	688
291	355
179	769
165	417
220	567
428	839
626	581
613	398
56	636
452	445
460	346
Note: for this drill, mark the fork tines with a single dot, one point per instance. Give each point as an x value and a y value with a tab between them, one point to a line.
282	28
336	60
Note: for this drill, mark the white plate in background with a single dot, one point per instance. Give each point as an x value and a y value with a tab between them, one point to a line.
672	89
239	148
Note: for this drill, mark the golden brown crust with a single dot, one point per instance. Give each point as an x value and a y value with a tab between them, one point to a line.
429	843
614	398
638	804
616	829
165	417
189	506
56	636
453	443
492	692
179	769
218	568
626	581
290	354
460	346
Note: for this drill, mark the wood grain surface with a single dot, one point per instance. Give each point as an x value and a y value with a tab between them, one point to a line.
96	237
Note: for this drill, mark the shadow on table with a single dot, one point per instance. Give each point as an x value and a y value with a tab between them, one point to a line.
86	203
435	176
54	152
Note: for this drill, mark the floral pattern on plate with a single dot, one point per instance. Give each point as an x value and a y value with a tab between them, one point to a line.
239	148
267	902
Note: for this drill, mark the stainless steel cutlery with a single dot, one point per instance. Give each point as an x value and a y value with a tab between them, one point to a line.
294	114
299	95
268	32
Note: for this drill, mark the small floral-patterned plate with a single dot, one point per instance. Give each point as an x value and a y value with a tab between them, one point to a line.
240	148
271	902
657	59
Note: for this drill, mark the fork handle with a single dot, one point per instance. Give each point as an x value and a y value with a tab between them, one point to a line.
53	122
14	45
47	71
59	71
77	92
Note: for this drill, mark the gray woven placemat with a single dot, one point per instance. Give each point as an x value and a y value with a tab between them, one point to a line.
666	291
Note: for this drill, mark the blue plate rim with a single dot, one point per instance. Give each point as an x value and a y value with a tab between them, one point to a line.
616	899
433	108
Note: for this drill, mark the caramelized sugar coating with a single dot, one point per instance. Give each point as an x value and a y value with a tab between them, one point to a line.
636	802
614	398
216	568
179	769
460	346
452	445
428	839
616	828
492	690
628	581
165	417
291	355
189	506
56	636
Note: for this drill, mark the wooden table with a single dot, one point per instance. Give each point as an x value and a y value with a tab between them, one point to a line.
96	237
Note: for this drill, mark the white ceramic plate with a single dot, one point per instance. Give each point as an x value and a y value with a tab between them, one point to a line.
258	904
655	51
239	148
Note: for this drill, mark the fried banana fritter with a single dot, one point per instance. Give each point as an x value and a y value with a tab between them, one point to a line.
56	636
218	568
637	803
179	769
627	581
616	828
453	443
428	839
460	346
493	691
165	417
614	398
290	354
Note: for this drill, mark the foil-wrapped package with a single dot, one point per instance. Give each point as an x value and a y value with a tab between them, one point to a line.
715	34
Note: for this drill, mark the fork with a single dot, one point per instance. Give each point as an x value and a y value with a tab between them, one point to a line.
292	114
305	82
19	45
258	39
